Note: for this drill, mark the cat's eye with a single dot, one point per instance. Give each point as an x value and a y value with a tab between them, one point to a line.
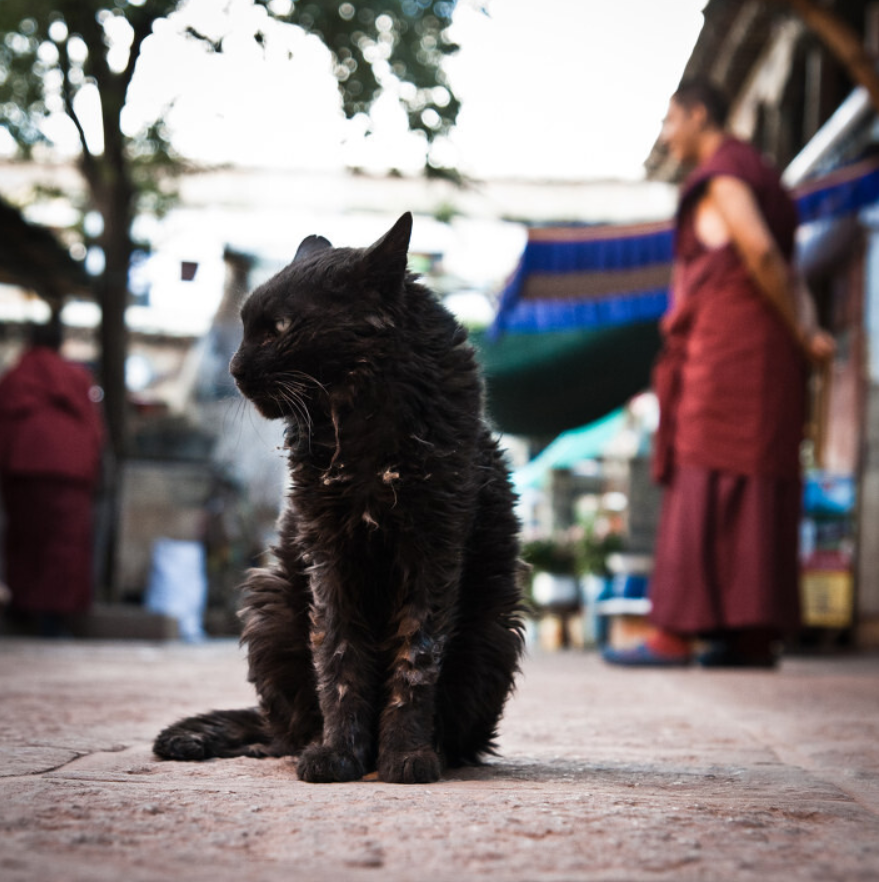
282	325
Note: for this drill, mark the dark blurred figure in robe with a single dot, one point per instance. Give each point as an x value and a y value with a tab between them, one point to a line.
731	382
51	438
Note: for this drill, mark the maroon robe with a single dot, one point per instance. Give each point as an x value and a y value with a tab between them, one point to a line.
732	388
51	434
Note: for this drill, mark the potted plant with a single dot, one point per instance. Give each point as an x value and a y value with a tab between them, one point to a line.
555	564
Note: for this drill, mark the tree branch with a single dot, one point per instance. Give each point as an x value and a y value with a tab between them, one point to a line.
213	45
142	28
68	93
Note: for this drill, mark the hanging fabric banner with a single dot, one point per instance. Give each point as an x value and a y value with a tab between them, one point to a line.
610	275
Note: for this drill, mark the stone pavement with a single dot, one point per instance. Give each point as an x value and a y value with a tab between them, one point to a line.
606	774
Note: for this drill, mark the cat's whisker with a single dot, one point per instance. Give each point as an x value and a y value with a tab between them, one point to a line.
230	416
287	401
295	385
234	415
300	417
293	395
309	379
250	411
287	394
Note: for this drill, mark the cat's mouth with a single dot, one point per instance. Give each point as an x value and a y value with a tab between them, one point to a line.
279	400
267	405
264	402
268	408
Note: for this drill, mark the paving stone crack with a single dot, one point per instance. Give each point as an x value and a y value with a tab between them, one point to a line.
48	771
61	766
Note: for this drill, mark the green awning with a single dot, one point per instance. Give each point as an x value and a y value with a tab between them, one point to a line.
571	448
576	330
540	385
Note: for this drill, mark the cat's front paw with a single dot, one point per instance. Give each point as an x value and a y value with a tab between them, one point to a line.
174	744
410	767
324	765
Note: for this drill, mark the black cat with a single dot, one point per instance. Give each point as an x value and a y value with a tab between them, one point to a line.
388	633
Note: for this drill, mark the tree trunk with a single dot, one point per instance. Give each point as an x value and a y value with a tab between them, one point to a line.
112	195
113	298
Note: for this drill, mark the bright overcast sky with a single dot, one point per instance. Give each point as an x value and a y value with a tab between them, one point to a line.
568	88
571	89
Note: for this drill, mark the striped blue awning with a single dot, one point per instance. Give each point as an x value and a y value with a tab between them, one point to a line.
610	275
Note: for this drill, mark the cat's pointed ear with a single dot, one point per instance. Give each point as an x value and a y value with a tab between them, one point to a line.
311	245
387	259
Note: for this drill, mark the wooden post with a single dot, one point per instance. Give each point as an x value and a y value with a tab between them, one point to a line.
842	41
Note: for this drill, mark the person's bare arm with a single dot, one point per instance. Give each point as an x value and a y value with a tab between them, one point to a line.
820	346
733	200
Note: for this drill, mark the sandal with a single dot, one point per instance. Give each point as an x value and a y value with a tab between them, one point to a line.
642	656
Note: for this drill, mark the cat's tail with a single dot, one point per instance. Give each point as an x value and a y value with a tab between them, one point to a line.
217	734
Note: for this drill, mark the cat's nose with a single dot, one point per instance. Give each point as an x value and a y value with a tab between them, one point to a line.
235	368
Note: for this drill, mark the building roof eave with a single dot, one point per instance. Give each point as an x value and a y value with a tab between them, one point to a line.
32	258
842	126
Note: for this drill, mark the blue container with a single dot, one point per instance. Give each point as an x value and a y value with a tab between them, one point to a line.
630	585
826	494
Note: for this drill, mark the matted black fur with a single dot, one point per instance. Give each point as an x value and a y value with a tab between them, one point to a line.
388	632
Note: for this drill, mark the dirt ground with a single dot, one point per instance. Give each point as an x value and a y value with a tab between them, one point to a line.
605	774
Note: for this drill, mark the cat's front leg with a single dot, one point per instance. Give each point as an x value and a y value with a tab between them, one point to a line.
346	670
407	737
275	615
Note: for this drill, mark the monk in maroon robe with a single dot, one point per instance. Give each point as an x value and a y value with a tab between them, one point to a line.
51	436
731	382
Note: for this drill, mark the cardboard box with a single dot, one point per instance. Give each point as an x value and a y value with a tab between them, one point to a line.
827	598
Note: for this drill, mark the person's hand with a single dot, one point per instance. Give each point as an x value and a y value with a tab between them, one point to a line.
819	346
